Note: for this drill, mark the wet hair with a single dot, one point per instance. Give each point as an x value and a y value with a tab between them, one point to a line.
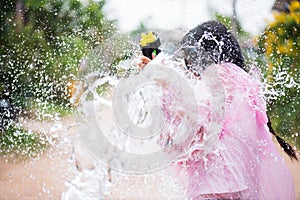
212	38
288	149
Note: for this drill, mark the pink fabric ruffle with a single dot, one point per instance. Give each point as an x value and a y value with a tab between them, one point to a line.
244	163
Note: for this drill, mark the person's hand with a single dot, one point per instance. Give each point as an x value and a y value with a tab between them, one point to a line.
144	61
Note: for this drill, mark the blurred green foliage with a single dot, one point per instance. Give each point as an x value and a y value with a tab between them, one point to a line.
20	143
280	43
43	43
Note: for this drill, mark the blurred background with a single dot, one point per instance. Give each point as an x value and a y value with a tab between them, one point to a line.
46	45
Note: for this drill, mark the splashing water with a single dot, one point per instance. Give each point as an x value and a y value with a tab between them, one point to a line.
132	142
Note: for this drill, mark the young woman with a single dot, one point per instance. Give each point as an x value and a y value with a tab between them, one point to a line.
244	162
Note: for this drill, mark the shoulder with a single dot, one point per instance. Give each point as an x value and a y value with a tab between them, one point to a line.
231	76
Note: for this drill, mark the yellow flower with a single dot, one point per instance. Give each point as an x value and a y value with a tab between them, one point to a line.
295	6
296	17
282	49
279	17
280	31
295	11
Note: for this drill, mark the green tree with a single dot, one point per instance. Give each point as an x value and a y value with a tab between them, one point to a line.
42	43
281	44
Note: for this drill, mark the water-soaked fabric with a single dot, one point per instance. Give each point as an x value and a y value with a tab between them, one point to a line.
244	163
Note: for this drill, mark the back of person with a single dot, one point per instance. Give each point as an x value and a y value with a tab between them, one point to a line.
245	163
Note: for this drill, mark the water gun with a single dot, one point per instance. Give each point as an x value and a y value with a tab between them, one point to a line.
150	44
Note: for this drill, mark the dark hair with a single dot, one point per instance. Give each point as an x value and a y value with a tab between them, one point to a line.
214	38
